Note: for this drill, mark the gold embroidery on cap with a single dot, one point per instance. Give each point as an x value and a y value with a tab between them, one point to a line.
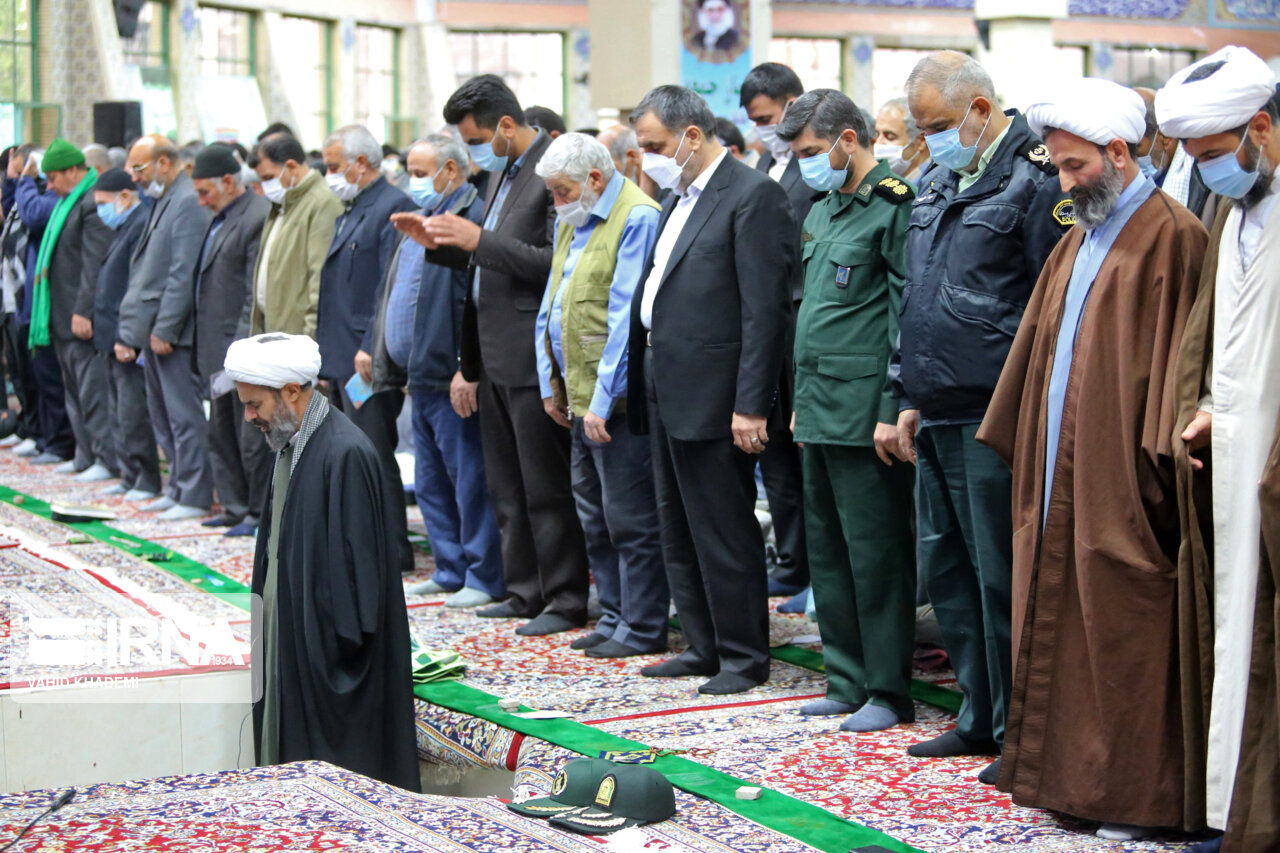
557	787
604	794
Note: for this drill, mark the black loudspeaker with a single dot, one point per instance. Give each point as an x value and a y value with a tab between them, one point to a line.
127	12
117	123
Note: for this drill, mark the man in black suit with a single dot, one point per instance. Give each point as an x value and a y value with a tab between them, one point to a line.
363	242
709	325
224	275
526	454
121	209
767	91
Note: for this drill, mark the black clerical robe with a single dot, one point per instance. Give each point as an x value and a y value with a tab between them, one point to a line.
343	668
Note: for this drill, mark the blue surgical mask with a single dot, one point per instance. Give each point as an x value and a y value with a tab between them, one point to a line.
946	149
111	217
423	190
1225	176
485	159
1146	166
819	175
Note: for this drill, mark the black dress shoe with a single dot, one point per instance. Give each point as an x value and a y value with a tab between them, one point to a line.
223	520
990	773
590	641
547	623
678	667
501	610
614	649
726	683
949	745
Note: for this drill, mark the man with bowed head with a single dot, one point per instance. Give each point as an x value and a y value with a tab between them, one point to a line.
716	292
607	228
1083	414
333	651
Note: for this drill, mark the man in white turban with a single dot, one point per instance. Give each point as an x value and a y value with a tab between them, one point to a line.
1081	415
1223	108
333	653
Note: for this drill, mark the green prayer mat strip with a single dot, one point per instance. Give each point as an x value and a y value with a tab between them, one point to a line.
922	691
197	574
805	823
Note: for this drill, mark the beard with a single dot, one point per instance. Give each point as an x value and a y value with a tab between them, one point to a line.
1261	188
280	427
715	29
1094	202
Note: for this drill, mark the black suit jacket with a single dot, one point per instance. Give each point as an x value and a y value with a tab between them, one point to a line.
363	242
514	259
722	314
113	281
225	283
802	197
73	268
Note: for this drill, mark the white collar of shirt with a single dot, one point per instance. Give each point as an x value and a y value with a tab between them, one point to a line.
704	177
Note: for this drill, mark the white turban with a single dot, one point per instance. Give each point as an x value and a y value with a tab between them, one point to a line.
273	360
1223	101
1093	109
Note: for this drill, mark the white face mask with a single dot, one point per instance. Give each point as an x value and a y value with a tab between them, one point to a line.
886	151
665	171
273	190
342	188
155	189
576	213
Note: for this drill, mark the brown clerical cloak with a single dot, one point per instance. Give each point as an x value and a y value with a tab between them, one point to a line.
1254	822
1095	728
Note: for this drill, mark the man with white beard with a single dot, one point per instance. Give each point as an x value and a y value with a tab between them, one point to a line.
1223	108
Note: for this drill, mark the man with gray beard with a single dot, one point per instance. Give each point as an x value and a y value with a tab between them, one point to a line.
1083	415
333	653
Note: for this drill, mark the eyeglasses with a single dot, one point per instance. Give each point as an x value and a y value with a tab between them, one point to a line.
138	170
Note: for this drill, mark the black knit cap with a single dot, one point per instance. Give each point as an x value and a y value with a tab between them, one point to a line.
114	180
214	161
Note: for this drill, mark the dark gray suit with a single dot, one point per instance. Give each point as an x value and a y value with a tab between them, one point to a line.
780	463
526	454
160	301
73	281
719	333
239	454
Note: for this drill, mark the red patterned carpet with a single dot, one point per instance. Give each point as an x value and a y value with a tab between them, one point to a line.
933	805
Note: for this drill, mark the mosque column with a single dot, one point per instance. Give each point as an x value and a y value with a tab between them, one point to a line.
1019	36
428	69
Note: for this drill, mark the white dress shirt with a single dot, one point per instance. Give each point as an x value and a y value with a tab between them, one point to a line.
668	236
779	165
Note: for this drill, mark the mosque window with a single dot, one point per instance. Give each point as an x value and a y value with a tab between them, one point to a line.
532	64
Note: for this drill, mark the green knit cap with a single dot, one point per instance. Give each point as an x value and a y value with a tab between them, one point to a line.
61	155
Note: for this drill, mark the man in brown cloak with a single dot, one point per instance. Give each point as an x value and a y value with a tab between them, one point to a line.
1083	414
1224	110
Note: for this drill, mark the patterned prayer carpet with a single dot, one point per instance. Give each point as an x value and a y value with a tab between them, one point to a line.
931	804
316	806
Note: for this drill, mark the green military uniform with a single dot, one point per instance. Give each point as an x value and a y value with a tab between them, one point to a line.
857	509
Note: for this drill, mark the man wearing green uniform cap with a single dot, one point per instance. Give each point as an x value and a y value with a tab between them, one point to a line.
74	245
857	506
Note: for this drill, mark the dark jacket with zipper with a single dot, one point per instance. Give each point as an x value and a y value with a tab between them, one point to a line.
973	258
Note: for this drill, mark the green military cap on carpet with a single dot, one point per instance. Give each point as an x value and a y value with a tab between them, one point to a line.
575	786
628	795
61	155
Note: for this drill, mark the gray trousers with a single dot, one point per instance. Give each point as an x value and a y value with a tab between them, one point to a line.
135	438
240	457
177	414
84	379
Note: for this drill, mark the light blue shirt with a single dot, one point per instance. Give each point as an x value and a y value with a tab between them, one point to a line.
638	235
1093	251
495	210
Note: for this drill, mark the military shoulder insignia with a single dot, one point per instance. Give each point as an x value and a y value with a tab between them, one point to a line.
1064	213
895	190
806	237
1039	157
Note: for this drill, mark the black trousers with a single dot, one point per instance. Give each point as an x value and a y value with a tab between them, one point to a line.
56	435
784	486
376	417
713	546
526	462
18	362
240	457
